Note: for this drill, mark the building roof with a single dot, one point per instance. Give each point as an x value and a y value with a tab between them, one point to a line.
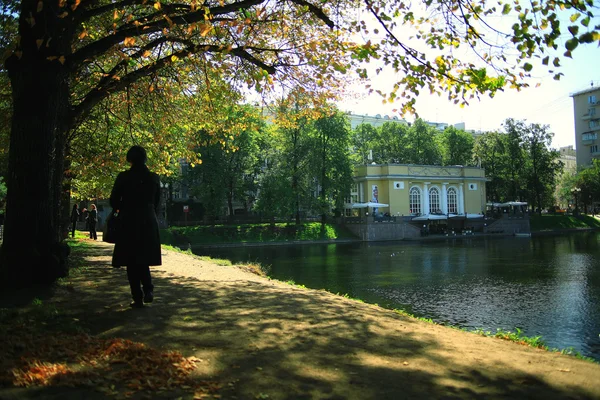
595	86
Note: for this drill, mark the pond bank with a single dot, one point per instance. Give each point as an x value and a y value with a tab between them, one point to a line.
260	338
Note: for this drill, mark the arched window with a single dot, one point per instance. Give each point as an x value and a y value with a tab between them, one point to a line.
415	200
452	201
434	200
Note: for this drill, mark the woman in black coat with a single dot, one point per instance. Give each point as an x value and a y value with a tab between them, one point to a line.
136	196
74	218
92	220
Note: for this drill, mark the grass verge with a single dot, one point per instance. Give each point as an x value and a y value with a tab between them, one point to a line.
558	222
253	233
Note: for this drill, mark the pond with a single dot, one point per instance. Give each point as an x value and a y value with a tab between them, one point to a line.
545	285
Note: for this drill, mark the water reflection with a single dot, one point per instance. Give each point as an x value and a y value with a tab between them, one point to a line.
547	286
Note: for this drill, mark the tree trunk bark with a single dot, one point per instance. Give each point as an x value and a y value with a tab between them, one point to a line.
32	252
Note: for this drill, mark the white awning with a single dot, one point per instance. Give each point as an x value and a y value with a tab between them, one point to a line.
508	204
365	205
430	217
474	216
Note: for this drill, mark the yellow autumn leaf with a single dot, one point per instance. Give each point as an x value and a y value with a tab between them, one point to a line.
40	6
61	59
75	5
83	34
204	29
39	43
51	58
146	53
157	5
129	41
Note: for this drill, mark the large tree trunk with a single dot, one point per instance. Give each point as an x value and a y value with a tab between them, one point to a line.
31	252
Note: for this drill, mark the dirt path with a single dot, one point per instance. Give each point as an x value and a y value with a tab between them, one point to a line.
263	339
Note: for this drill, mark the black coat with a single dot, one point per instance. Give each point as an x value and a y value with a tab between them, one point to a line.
74	215
136	195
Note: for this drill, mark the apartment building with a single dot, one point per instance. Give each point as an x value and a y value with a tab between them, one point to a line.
568	156
586	106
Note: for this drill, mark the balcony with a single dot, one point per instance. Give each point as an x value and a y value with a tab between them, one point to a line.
589	138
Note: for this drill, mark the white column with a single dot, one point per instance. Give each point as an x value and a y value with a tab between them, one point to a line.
425	199
444	199
461	199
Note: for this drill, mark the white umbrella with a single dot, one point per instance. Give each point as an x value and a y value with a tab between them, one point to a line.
474	216
369	204
429	217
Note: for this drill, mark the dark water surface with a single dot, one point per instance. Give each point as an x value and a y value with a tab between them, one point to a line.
548	285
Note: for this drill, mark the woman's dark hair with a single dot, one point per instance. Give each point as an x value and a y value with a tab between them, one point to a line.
136	155
75	206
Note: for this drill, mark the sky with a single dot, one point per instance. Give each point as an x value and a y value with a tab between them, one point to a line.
548	104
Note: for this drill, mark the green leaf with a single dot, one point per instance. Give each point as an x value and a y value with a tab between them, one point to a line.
571	44
527	67
506	9
585	21
556	62
545	60
587	37
574	29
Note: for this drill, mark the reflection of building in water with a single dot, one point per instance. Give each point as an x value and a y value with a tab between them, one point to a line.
421	189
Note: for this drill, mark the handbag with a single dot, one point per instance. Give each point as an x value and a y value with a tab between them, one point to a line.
112	227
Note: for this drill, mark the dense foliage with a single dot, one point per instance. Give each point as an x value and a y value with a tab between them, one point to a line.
520	164
582	190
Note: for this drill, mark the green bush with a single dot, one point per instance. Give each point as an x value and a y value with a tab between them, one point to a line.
252	233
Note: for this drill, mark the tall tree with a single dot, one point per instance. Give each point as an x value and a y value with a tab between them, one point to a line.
543	165
391	144
490	152
423	145
456	147
331	161
362	138
515	158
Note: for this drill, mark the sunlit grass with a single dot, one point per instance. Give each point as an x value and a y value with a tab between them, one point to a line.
557	222
255	233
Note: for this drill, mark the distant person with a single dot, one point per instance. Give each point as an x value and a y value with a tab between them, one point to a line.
136	197
92	220
74	218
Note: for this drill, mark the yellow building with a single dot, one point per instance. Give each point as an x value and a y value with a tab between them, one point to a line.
421	189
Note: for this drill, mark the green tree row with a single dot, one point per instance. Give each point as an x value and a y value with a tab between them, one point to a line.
519	162
297	165
418	143
581	189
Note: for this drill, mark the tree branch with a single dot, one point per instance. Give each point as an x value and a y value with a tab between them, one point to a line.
111	85
101	46
318	12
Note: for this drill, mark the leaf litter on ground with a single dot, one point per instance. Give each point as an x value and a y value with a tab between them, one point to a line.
30	356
